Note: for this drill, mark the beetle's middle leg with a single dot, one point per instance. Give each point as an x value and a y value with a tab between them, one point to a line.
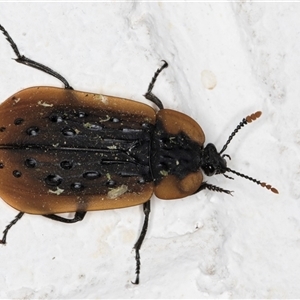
31	63
79	215
149	95
138	244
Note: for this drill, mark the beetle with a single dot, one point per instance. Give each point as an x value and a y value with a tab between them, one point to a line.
63	150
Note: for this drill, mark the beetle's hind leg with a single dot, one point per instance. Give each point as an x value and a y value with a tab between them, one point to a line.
149	95
31	63
13	222
138	244
79	215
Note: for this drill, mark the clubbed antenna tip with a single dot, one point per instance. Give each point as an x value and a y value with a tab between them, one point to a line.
253	117
269	187
246	120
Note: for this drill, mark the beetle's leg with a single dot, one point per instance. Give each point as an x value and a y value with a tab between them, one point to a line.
138	244
79	215
31	63
205	185
13	222
149	95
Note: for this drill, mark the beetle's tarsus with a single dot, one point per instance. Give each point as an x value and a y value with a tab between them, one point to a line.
213	188
149	95
137	280
79	215
138	267
13	222
151	85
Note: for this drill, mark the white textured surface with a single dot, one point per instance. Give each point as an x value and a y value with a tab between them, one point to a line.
205	246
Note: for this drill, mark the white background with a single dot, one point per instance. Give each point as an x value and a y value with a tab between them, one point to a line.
208	245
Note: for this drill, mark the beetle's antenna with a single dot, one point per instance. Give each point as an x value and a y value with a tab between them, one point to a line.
245	121
263	184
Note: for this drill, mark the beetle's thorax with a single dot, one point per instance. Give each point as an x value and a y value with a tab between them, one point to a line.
175	163
174	155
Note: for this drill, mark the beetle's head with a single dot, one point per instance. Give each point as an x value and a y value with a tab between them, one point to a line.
214	162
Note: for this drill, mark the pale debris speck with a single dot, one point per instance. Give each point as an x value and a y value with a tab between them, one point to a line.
41	103
57	192
113	147
102	98
117	192
104	120
164	173
208	79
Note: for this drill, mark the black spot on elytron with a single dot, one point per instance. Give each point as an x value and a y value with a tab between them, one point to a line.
33	131
56	118
68	131
53	180
30	163
2	129
110	182
91	175
18	121
66	164
17	173
1	165
77	186
115	120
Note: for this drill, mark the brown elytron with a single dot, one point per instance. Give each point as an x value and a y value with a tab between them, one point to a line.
63	150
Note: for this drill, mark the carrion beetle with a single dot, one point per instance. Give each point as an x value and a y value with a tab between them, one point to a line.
63	150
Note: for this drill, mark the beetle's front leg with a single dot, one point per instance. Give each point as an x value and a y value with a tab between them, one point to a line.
138	244
205	185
